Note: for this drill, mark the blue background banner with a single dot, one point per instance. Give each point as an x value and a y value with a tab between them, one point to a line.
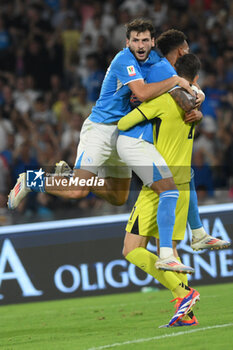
81	257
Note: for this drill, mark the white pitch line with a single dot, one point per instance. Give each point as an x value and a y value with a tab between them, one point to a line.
142	340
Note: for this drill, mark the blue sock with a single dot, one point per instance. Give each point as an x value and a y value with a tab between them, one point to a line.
166	216
193	213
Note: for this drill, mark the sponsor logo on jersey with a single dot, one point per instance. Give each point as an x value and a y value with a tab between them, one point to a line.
131	71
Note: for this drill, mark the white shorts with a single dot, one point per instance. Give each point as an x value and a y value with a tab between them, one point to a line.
143	158
97	151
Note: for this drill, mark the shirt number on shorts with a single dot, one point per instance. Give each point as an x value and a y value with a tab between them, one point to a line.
133	211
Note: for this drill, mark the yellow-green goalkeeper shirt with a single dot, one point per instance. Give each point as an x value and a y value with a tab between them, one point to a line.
172	137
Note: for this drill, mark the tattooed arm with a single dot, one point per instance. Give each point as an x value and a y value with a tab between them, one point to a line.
186	101
150	110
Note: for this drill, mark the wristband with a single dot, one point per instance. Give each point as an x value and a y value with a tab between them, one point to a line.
201	92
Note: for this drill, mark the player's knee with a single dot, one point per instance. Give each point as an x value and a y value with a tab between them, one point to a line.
77	194
125	251
163	185
118	201
119	198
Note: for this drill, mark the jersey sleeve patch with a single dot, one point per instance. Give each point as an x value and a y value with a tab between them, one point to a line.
131	71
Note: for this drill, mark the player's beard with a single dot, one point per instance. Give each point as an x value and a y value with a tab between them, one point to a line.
136	54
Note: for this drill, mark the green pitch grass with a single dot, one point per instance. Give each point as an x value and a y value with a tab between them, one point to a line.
99	322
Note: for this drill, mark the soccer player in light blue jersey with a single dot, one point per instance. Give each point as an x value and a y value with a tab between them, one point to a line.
136	148
97	154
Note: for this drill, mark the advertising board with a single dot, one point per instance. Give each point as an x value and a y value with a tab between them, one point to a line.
81	257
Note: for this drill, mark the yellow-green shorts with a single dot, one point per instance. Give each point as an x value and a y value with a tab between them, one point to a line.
143	217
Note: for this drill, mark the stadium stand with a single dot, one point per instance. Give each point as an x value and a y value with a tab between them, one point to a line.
53	55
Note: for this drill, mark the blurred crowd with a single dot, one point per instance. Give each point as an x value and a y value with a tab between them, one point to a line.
53	57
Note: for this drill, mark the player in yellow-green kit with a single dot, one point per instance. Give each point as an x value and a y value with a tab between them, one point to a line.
173	138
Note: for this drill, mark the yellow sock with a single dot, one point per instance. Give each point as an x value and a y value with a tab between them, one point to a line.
145	260
179	292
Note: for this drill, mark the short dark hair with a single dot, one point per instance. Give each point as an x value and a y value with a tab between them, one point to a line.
170	40
140	25
187	66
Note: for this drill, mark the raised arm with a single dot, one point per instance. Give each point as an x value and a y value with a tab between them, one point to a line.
146	92
184	99
133	118
146	111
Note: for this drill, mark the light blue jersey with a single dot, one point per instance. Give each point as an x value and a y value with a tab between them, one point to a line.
160	71
114	99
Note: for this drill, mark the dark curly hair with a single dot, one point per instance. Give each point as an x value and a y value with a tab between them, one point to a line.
140	25
170	40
